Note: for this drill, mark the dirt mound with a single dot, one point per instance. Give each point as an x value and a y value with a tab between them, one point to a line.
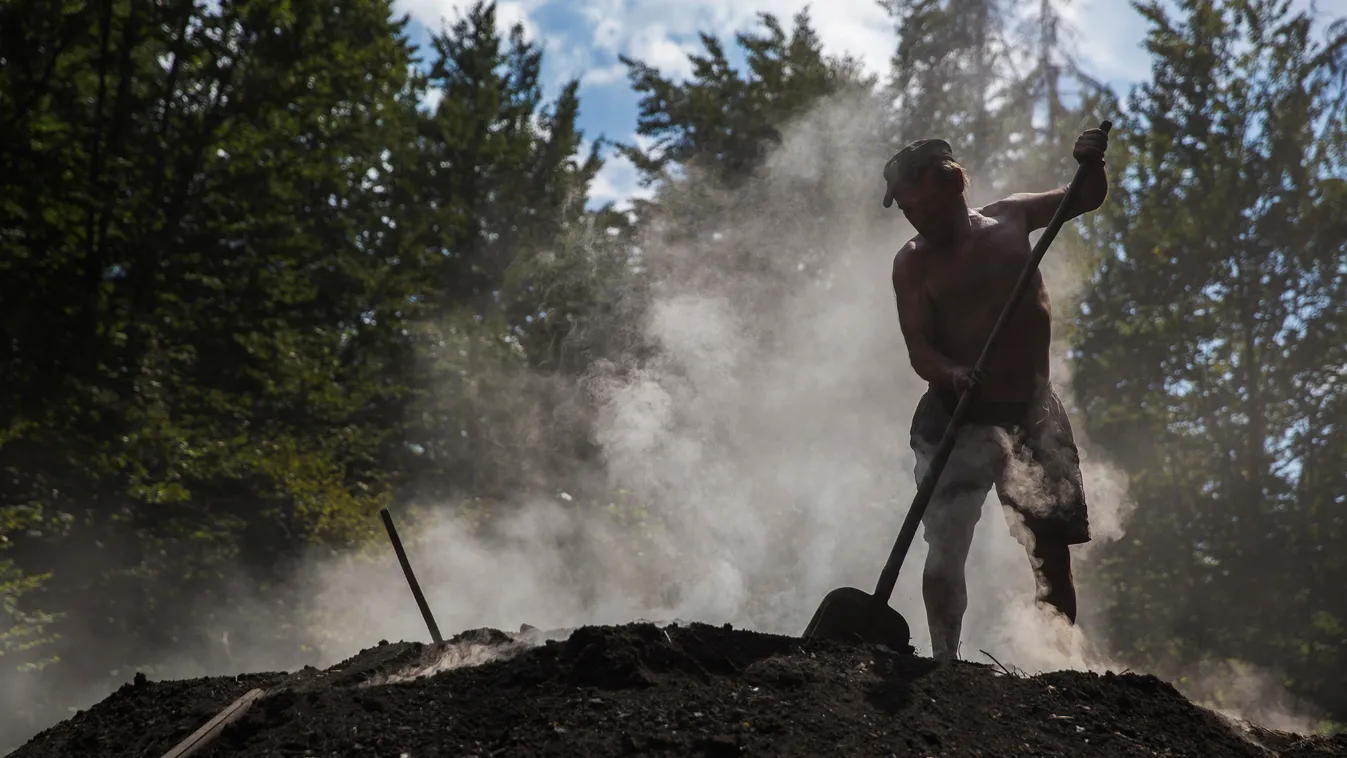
652	690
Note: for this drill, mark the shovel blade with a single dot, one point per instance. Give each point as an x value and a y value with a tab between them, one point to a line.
851	615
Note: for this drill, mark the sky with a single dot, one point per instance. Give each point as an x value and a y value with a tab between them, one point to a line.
583	39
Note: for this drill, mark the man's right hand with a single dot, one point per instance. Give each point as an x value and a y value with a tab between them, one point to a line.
965	378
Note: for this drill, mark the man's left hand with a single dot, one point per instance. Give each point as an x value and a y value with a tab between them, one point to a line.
1090	146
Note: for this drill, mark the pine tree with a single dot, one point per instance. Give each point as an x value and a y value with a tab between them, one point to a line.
502	183
716	199
722	121
198	302
1204	333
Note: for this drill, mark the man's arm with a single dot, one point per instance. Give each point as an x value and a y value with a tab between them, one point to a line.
1039	207
915	315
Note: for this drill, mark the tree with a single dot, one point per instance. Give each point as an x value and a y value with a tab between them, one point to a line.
199	302
515	263
1204	353
708	159
721	121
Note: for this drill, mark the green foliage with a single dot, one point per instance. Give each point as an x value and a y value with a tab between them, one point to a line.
722	121
198	303
716	201
22	632
1209	348
513	265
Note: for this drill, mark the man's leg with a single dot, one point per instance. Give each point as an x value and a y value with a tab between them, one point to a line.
1042	488
950	517
1050	557
944	585
948	523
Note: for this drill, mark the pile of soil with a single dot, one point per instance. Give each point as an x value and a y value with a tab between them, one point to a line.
643	689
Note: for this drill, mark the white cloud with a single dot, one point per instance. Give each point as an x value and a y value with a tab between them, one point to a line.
604	75
436	14
1108	35
1105	36
617	182
663	32
431	99
654	45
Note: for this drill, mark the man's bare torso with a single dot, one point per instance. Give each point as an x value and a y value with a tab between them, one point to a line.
967	287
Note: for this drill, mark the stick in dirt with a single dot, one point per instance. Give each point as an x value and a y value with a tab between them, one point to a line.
411	578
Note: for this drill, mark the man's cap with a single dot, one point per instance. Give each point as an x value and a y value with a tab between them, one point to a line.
915	155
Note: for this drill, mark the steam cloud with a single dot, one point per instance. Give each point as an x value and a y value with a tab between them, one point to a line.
768	439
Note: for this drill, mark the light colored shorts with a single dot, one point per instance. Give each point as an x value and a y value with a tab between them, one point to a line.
1031	460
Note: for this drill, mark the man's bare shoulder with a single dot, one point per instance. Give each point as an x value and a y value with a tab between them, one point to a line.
1034	209
1007	207
907	262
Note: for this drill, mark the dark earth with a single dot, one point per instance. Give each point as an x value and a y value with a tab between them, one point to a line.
643	689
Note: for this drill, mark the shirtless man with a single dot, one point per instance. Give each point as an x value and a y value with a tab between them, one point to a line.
951	281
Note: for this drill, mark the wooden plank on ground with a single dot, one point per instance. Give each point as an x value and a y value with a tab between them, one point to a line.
208	732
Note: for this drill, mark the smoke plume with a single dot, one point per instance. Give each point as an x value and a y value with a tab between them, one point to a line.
764	442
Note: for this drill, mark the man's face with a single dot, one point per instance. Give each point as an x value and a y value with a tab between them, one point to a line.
931	207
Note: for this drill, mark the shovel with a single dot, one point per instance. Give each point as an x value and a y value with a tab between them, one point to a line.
850	614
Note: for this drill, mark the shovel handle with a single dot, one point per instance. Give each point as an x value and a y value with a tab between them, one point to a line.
888	578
